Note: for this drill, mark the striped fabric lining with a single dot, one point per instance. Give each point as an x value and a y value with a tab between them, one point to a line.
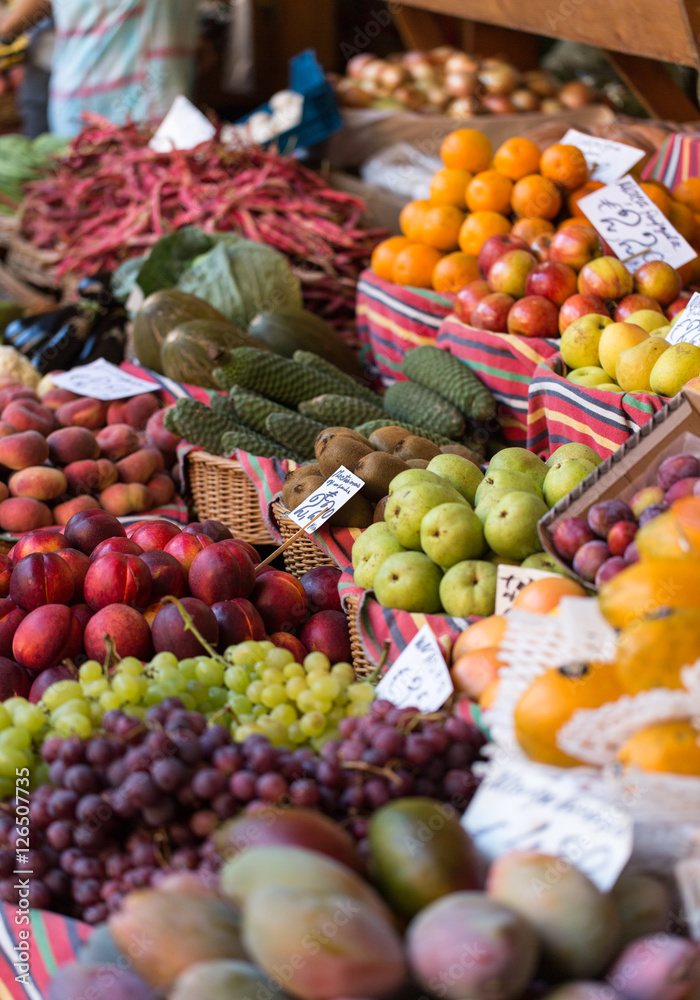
54	941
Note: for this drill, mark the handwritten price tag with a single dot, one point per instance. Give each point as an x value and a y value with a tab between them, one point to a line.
523	807
633	227
419	677
607	160
104	381
687	329
510	580
184	127
335	492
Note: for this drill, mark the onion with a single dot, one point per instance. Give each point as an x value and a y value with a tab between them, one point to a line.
436	96
410	97
501	79
392	77
460	84
576	95
464	107
357	64
460	62
525	100
373	69
541	83
442	53
351	95
497	104
550	106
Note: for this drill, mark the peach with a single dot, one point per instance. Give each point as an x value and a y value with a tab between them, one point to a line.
219	573
10	617
125	626
86	529
162	488
15	681
238	621
169	633
138	467
167	575
125	546
117	578
158	436
90	475
41	578
216	530
72	444
82	612
327	632
184	547
53	398
43	540
63	512
5	574
83	412
154	534
281	601
16	392
117	441
135	411
6	429
19	514
126	498
238	543
4	492
78	563
39	482
285	640
47	636
20	450
29	415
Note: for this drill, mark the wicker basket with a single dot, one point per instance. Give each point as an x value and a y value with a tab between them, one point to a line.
303	554
9	224
37	267
220	490
362	666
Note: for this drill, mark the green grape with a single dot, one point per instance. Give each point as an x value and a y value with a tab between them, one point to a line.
315	675
5	717
171	677
209	671
109	700
305	701
317	661
254	691
15	737
74	725
266	646
240	704
164	659
284	714
91	670
139	711
153	695
12	760
13	703
294	687
272	675
77	706
129	688
322	706
246	719
312	724
335	716
242	733
258	667
279	658
40	776
197	690
245	653
295	733
273	695
343	673
130	665
327	688
275	731
95	688
29	717
96	713
59	693
358	709
294	670
188	669
361	692
217	696
187	700
236	679
258	711
8	785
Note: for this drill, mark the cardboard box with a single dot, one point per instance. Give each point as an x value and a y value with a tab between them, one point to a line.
673	430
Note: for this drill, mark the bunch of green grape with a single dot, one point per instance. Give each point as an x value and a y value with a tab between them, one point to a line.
22	728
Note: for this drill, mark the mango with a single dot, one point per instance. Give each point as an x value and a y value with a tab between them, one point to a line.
657	967
644	904
224	980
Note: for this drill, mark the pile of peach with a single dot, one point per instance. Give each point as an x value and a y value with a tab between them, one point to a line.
63	453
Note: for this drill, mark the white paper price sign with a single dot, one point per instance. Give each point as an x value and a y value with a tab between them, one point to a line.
419	677
104	381
523	807
510	580
607	160
184	127
326	500
633	227
687	329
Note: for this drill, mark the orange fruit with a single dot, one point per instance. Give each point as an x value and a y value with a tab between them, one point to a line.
565	165
658	194
454	271
466	149
651	653
671	747
440	227
529	229
415	265
487	632
489	694
688	193
448	187
681	218
542	596
649	586
384	255
477	228
489	191
575	220
574	197
411	218
474	671
536	197
517	157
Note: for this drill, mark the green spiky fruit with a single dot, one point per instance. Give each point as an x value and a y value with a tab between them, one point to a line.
295	432
256	444
407	400
272	376
201	425
451	378
340	411
347	386
252	409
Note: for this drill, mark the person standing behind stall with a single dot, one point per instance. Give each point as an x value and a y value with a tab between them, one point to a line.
122	59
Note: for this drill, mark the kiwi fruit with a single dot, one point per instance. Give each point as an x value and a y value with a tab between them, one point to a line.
416	447
379	510
386	438
460	449
301	472
341	450
356	513
332	432
303	489
417	463
377	470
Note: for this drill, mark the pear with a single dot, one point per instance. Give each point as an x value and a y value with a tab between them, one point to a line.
371	548
459	472
579	341
406	508
574	449
563	477
545	562
674	368
409	581
591	376
614	340
487	501
451	533
519	460
661	331
409	476
508	479
511	525
469	588
648	319
609	387
493	557
635	364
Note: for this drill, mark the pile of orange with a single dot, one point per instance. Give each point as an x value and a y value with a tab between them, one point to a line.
518	188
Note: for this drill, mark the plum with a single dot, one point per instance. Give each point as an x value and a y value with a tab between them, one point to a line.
677	467
681	488
657	967
216	530
652	511
583	990
327	632
620	536
570	534
603	515
101	982
589	558
169	632
609	569
631	554
321	586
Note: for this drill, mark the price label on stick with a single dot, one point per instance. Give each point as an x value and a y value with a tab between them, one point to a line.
607	160
419	677
184	127
335	492
633	227
510	580
687	329
104	381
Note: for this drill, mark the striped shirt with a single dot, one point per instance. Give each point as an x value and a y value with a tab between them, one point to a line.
121	59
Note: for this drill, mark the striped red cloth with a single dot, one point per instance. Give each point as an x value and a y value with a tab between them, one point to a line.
53	941
677	159
560	412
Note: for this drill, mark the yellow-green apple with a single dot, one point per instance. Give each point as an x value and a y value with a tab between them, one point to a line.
579	341
607	277
580	305
659	281
590	375
468	297
494	247
611	387
648	319
633	303
644	498
533	316
492	312
509	273
576	246
554	280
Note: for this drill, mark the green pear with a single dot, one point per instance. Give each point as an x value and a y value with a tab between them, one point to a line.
493	557
469	588
511	526
459	472
369	551
406	508
487	501
588	376
519	460
648	319
451	533
409	581
409	476
507	479
543	561
661	331
674	368
574	449
563	477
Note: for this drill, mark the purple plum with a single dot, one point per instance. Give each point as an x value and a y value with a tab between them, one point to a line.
631	554
589	558
677	467
652	511
603	515
570	535
681	488
610	568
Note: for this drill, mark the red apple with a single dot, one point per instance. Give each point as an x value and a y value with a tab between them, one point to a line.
327	632
552	279
659	281
509	273
492	313
540	246
678	305
155	534
606	277
281	601
468	297
576	246
580	305
321	586
494	247
632	303
533	316
238	621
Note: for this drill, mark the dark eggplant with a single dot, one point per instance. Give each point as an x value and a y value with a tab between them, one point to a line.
98	289
61	351
107	338
42	327
13	329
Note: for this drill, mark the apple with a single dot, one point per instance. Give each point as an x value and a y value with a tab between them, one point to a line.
540	246
468	297
678	305
576	246
533	316
510	272
494	247
693	383
492	313
606	277
589	376
633	303
580	305
554	280
659	281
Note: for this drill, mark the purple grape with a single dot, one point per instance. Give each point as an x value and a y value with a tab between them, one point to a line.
96	914
39	895
86	867
141	789
224	805
81	778
459	785
304	793
138	759
69	857
85	892
261	757
57	882
204	822
57	769
213	738
160	814
271	787
62	804
208	783
60	834
51	748
228	759
377	793
418	750
330	774
242	785
72	751
117	772
88	838
170	774
389	740
352	750
7	862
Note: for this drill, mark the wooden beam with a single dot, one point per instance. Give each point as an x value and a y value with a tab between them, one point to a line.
419	29
519	47
652	84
